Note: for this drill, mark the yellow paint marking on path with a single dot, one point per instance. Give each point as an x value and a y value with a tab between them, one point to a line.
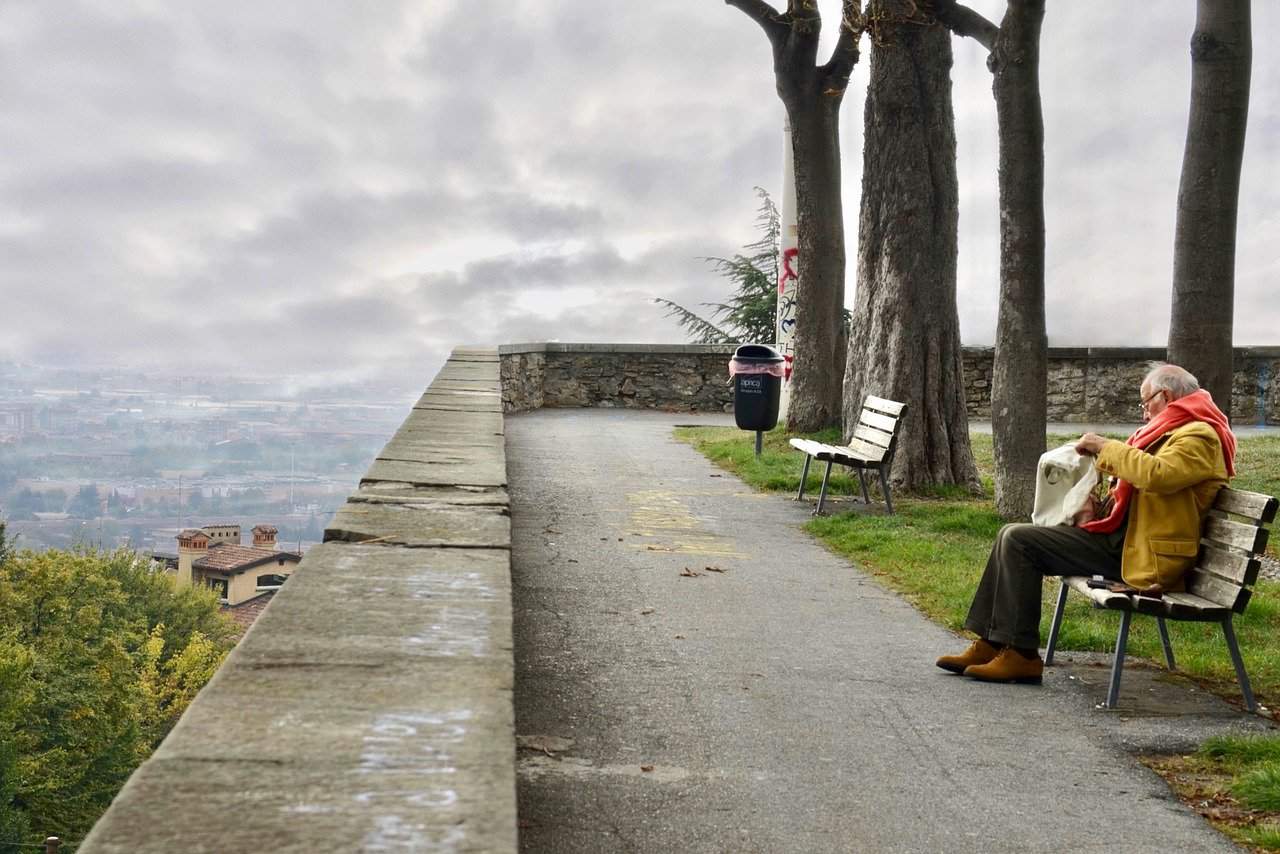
663	516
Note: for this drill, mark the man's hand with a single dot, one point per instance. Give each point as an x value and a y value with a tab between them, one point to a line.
1090	443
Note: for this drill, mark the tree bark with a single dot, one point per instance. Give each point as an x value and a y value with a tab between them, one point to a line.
1204	248
817	368
1019	371
905	341
812	95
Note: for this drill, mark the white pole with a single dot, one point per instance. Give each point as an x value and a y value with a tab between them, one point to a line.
788	268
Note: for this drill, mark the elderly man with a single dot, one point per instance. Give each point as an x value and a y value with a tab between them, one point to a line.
1146	537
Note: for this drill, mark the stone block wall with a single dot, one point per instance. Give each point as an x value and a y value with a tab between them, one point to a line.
1099	384
683	377
1086	384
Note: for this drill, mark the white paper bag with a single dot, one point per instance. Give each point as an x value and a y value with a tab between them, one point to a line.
1064	480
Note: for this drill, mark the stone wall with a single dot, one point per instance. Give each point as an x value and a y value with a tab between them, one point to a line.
686	377
370	706
1099	384
1086	384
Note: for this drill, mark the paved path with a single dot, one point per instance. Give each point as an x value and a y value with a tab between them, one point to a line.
789	703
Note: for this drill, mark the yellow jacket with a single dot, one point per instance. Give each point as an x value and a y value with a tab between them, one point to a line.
1175	479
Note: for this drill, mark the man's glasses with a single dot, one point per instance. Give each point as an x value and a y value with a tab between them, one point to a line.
1146	401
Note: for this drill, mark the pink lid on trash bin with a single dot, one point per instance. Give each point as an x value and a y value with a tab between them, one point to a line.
737	366
756	359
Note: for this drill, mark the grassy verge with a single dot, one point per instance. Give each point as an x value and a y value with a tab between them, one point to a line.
932	551
1234	782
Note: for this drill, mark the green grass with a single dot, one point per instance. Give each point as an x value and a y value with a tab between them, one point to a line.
933	549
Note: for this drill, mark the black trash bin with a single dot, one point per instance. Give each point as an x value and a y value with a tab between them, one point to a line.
756	372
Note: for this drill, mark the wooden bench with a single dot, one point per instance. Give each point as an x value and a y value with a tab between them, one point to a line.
1218	587
874	439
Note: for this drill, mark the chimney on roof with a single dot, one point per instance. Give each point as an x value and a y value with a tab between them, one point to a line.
223	533
192	545
264	537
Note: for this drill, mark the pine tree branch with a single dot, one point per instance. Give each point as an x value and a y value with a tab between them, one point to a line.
702	331
963	21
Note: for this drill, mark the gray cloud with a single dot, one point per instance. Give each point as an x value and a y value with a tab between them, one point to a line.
349	189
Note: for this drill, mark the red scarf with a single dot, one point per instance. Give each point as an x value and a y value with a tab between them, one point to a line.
1197	406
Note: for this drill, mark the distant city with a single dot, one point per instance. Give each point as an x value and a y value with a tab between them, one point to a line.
110	458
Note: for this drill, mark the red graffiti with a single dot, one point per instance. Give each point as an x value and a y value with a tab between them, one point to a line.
787	273
786	370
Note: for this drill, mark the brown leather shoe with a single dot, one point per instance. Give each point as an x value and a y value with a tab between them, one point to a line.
979	652
1009	666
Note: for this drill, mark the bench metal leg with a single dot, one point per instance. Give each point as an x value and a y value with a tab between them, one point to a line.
1164	641
1056	624
884	486
804	475
1117	666
866	499
822	496
1238	662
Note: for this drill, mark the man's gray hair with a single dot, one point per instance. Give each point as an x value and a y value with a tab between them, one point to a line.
1179	382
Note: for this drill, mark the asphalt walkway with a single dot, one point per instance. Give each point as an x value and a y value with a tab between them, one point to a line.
695	673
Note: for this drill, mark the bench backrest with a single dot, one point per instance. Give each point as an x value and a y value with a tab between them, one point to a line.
876	434
1233	537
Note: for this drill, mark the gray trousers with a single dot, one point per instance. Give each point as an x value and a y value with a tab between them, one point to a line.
1006	606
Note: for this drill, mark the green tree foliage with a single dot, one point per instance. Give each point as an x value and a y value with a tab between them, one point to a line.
751	312
99	655
86	504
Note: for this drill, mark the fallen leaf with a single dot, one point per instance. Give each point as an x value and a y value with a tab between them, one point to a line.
679	637
602	539
715	569
573	560
689	573
550	530
646	611
716	475
646	768
619	539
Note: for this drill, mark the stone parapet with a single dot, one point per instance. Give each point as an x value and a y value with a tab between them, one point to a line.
370	706
1085	384
685	377
1098	384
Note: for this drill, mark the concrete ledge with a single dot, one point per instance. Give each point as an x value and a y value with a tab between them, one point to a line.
370	707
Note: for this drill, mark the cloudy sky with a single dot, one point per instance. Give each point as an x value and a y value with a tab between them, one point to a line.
347	189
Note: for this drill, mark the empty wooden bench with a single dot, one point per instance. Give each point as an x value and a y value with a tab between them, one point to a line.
1218	587
871	449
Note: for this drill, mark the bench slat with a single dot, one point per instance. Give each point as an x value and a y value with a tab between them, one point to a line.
1237	568
1191	606
1102	598
890	406
872	435
1235	534
875	419
862	452
1254	505
1217	590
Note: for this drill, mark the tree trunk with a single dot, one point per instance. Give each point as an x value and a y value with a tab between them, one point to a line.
1019	372
817	368
905	341
1204	248
812	94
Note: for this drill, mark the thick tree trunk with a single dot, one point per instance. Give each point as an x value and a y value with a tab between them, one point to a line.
1204	251
905	341
818	367
1018	381
812	95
